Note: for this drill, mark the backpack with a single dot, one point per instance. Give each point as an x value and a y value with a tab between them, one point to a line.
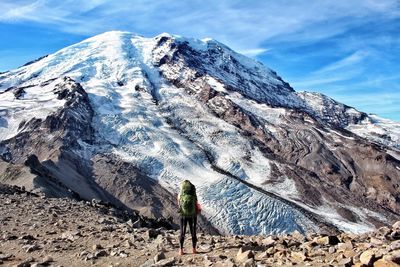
188	199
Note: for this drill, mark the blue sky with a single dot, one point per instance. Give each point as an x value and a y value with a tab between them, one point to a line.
348	50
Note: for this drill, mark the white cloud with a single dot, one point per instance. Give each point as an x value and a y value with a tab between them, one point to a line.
254	52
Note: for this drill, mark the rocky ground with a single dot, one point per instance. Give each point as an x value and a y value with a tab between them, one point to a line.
39	231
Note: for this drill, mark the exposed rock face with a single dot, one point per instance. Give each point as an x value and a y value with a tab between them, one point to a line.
264	158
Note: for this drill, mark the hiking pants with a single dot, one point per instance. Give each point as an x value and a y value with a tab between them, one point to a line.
192	221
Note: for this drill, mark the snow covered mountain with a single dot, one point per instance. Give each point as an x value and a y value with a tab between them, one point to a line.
125	119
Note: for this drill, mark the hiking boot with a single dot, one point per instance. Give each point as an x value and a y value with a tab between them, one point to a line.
181	252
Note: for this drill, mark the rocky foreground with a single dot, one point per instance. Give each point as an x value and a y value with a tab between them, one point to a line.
39	231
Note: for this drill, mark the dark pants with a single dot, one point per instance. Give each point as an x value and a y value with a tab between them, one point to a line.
192	221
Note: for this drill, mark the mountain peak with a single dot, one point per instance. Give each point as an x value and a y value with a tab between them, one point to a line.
125	119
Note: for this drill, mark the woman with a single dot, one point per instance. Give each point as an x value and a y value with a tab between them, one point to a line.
187	201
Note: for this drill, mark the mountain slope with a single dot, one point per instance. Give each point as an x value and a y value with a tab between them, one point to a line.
125	119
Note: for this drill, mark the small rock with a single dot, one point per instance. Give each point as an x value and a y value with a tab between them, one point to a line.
384	231
384	263
249	263
129	223
27	237
367	257
395	245
4	257
152	233
165	262
70	235
244	255
395	234
394	256
229	263
298	257
346	262
376	241
25	263
396	225
159	256
31	248
123	255
101	253
345	246
97	246
127	244
90	256
47	259
269	241
205	248
148	263
327	240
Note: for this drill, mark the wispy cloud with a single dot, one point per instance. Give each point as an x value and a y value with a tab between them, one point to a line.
243	26
341	70
254	51
345	63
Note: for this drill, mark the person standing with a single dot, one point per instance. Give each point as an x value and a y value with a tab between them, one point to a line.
188	209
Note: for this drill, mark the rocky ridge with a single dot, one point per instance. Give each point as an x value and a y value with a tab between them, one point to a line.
40	231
